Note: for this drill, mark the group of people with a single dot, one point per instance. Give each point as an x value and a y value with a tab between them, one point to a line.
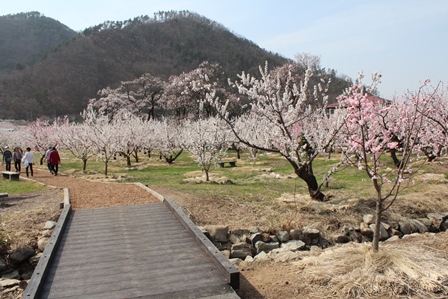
53	160
51	156
18	157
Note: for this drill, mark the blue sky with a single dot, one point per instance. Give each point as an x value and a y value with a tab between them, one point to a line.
404	40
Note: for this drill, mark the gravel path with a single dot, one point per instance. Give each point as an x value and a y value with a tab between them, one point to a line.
86	194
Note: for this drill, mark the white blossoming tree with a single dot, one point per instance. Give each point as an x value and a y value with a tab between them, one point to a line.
282	121
167	134
208	140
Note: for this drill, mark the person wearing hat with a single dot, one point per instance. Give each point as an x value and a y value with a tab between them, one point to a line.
7	158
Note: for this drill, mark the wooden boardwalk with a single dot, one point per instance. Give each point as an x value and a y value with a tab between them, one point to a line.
134	251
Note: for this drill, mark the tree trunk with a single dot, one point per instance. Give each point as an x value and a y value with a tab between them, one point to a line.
207	178
309	178
135	154
393	154
378	213
105	168
128	160
84	164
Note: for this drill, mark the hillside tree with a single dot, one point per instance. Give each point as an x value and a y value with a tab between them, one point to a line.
280	118
370	128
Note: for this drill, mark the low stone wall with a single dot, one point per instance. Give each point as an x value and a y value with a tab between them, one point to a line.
21	262
251	244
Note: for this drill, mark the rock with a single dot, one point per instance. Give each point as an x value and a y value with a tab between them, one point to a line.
12	275
42	243
436	218
235	261
26	275
293	245
241	250
368	219
265	237
3	265
266	247
249	259
295	233
355	236
21	254
346	229
282	236
386	226
365	230
405	227
226	253
383	232
50	225
46	233
261	257
254	238
394	225
395	232
305	239
35	259
254	230
218	233
273	238
342	239
421	228
444	225
324	243
311	233
234	239
23	284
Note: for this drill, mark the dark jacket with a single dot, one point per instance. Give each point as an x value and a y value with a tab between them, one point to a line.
54	158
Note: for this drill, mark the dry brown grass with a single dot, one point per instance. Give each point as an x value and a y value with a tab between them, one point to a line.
403	269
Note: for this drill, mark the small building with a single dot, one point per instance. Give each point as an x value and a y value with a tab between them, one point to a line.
335	105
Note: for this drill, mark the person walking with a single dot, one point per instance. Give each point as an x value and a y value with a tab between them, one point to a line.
17	156
7	158
46	156
55	160
28	160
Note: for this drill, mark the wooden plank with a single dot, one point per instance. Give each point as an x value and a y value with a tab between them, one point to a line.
41	270
226	267
117	253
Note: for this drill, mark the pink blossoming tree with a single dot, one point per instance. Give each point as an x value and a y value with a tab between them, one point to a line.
370	133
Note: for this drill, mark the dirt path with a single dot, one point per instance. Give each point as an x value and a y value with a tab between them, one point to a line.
87	194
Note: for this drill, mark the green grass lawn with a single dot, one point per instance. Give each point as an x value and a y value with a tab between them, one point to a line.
267	178
257	180
17	187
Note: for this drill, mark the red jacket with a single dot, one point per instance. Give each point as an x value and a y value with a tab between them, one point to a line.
54	158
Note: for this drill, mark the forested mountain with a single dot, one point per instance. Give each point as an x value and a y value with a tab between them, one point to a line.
26	37
104	55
